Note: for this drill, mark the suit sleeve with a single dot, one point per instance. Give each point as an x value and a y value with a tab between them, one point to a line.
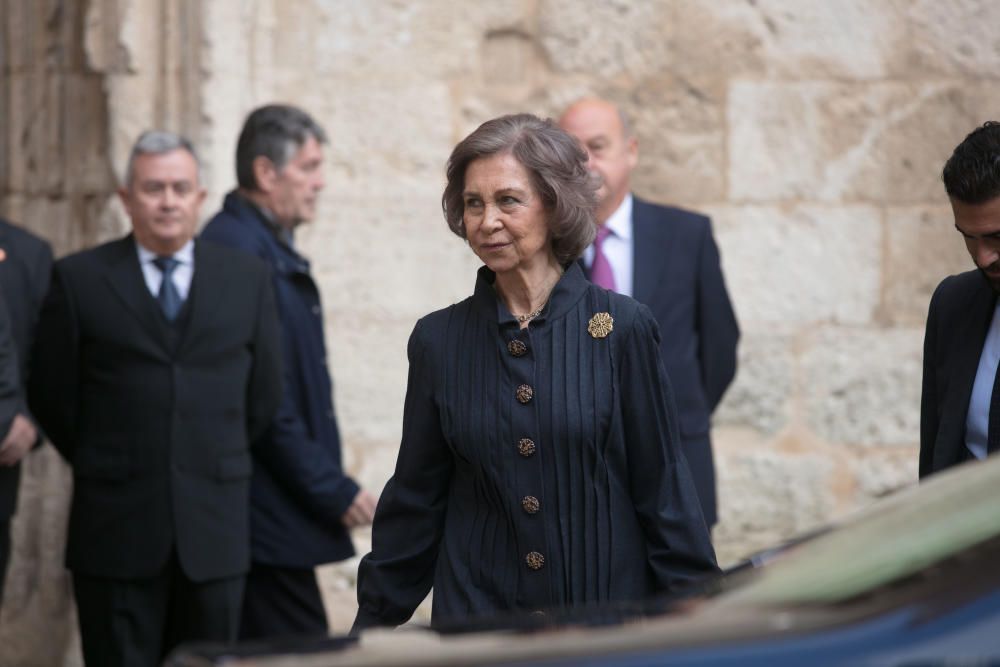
718	332
10	384
661	486
264	389
300	463
41	275
303	466
928	395
54	377
409	522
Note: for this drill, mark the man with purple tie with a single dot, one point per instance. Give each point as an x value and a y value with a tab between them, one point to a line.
665	258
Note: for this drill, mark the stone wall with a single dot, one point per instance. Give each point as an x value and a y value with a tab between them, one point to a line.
812	131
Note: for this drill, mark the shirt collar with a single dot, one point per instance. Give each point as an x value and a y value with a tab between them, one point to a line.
183	256
570	289
620	222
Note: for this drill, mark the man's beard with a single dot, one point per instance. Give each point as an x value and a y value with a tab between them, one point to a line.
994	280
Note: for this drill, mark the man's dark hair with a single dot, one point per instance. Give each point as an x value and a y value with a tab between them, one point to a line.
972	173
275	131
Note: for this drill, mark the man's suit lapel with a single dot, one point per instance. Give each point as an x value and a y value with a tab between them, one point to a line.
126	280
647	254
968	346
207	288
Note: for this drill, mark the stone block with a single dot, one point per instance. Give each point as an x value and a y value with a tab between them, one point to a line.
376	148
711	43
862	387
606	40
399	42
34	129
880	472
368	365
877	142
102	40
956	38
921	136
24	31
84	123
922	248
761	395
53	219
682	146
849	39
790	266
766	497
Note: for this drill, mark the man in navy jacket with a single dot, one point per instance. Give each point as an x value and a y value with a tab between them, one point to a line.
302	503
665	258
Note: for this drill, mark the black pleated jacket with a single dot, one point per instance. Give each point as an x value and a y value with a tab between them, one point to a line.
501	502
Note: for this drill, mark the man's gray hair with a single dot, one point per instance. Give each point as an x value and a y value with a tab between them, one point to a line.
274	131
158	142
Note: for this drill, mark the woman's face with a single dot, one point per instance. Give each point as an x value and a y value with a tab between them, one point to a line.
506	223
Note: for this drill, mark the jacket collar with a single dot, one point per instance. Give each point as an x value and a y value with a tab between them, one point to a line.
250	214
567	292
124	275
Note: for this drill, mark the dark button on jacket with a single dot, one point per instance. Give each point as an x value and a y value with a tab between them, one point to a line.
526	447
517	348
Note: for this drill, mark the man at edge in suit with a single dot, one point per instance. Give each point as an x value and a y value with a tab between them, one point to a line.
960	403
665	258
25	266
156	364
10	399
302	502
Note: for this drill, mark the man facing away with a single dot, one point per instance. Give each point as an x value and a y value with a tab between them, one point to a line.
665	258
156	364
960	403
303	504
25	266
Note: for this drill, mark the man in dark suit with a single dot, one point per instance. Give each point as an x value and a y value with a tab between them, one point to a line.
960	404
303	504
156	364
666	258
25	266
10	407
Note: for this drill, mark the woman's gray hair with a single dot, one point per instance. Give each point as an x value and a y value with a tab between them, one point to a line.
558	169
158	142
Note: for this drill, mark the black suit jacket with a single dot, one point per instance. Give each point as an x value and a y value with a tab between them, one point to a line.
9	377
957	322
157	430
24	276
677	274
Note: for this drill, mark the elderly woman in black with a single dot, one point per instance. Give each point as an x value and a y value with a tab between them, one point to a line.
540	464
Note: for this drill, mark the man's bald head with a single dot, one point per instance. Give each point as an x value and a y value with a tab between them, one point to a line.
604	132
